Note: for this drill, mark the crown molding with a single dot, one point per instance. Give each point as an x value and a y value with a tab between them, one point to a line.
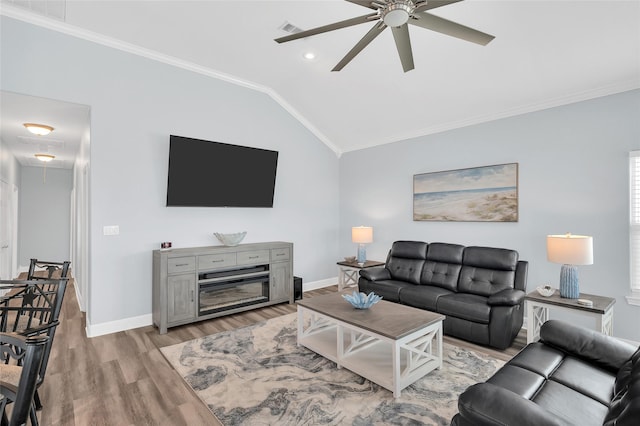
71	30
63	27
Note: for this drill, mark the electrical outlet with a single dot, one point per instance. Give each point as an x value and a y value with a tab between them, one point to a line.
111	230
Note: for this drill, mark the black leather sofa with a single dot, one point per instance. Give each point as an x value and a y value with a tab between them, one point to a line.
572	376
480	290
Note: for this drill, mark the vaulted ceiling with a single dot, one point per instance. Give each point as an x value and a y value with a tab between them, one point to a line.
545	53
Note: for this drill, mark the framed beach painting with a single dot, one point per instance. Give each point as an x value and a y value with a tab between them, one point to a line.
478	194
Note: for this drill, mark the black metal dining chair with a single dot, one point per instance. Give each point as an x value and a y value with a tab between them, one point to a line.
31	308
36	265
28	353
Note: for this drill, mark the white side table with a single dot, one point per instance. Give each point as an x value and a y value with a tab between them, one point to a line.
538	311
348	272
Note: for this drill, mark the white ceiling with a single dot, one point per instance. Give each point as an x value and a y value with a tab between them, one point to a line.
545	53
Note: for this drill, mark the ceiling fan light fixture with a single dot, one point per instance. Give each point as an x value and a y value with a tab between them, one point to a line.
398	13
45	157
38	129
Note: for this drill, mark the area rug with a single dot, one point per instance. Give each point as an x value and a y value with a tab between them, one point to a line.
257	375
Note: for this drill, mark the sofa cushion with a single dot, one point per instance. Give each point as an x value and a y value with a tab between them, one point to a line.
445	253
571	406
484	282
539	358
487	270
490	258
409	249
466	306
406	260
585	378
442	268
407	270
424	297
519	380
438	274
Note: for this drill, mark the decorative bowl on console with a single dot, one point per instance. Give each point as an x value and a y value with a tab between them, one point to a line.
546	291
350	259
230	239
362	300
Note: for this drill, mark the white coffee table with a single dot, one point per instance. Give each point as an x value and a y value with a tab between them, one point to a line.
390	344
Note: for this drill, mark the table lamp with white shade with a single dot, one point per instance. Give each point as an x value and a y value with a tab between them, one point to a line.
362	235
570	250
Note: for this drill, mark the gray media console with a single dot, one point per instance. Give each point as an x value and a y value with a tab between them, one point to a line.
194	284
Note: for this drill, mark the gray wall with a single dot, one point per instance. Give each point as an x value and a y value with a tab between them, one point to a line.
44	215
136	104
573	177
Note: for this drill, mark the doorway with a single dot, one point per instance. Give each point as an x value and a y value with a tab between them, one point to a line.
68	149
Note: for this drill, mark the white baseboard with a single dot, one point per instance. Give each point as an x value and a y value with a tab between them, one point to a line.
314	285
94	330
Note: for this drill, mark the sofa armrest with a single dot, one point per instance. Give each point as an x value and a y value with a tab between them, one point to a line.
506	297
607	352
520	282
375	274
487	404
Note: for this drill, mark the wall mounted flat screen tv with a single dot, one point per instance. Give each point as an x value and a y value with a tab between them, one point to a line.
213	174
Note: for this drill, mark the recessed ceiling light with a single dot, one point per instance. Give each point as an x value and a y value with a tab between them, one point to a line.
309	55
38	129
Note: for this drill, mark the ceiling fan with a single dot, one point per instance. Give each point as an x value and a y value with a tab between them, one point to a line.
397	14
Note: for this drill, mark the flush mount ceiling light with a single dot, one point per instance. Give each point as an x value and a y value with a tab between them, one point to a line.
45	157
38	129
309	56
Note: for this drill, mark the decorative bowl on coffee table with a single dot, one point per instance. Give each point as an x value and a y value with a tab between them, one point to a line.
362	300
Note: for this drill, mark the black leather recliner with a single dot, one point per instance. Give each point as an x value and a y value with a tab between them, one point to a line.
572	376
480	290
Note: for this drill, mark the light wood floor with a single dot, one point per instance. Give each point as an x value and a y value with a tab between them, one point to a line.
123	379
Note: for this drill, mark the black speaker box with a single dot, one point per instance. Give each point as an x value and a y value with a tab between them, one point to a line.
297	288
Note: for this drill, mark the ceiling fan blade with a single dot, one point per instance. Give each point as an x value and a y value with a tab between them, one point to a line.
403	44
365	3
450	28
368	38
432	4
327	28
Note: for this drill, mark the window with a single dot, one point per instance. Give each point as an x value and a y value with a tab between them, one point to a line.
634	226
